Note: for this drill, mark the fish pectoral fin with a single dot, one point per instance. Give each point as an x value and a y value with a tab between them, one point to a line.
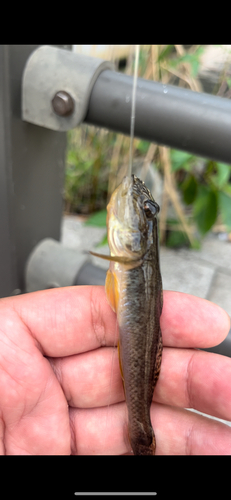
112	289
113	258
100	255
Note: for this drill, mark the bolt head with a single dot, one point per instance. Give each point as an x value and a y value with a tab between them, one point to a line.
62	103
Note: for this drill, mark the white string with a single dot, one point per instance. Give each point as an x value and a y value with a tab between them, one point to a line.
133	109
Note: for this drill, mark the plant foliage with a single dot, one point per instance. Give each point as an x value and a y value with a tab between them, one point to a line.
203	184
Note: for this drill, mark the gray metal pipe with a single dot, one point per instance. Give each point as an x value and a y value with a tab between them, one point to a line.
182	119
90	275
224	348
51	265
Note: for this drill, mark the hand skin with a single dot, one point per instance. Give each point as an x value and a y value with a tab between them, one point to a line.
60	385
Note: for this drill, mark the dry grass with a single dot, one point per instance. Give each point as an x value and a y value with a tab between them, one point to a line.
170	192
158	70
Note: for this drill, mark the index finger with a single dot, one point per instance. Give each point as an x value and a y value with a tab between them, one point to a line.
72	320
189	321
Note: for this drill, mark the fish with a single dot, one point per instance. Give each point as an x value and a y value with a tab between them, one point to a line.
134	291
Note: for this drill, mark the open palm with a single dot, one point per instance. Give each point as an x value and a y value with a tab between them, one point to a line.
60	385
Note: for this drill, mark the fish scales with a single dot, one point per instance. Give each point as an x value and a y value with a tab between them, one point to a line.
134	290
141	345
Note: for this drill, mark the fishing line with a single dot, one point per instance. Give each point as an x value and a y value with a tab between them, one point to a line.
133	109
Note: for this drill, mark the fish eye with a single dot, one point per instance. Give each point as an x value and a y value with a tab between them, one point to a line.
151	209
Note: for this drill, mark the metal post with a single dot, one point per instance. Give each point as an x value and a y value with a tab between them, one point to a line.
8	280
31	175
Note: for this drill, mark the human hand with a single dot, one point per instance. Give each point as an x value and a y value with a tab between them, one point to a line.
59	371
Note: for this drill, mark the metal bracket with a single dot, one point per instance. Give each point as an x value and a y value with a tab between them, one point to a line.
57	85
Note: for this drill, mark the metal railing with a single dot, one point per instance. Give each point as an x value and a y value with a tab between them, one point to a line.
182	119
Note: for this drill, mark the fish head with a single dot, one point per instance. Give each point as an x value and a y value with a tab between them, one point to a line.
130	215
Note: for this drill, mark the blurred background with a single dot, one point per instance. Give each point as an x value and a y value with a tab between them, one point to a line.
194	193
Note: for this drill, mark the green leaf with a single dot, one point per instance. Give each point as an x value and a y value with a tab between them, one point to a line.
199	51
195	67
189	188
225	207
72	157
143	146
192	59
180	159
227	189
195	64
223	173
177	239
205	208
103	242
165	52
228	80
98	219
196	244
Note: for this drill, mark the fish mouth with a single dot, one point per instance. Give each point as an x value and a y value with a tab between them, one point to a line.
127	225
